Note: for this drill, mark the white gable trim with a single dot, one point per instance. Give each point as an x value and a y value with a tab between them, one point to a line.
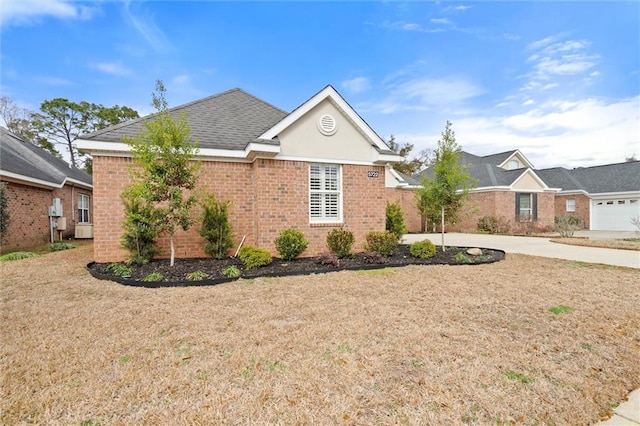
519	154
532	174
329	93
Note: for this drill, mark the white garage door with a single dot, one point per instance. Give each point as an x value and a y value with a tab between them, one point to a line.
615	214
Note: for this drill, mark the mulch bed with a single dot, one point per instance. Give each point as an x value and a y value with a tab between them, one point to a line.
177	275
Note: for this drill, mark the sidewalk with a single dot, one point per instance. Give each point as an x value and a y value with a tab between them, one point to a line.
627	413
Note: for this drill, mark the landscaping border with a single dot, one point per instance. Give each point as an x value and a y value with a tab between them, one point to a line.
250	276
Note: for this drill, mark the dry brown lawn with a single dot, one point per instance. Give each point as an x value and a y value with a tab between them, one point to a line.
633	244
414	345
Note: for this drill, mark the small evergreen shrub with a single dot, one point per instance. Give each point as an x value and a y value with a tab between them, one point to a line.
216	229
291	243
422	249
372	258
340	242
60	245
383	242
329	259
254	257
196	276
140	229
154	276
460	257
232	272
395	220
119	270
17	255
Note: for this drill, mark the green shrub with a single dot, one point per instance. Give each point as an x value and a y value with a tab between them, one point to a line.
5	216
154	276
232	272
422	249
460	257
254	257
196	276
340	242
119	270
140	229
60	245
567	225
494	225
216	229
383	242
395	221
17	255
291	243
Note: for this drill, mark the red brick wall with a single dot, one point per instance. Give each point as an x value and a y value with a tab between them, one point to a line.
582	207
29	214
267	197
407	200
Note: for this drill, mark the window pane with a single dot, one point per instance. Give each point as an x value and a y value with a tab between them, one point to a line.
525	201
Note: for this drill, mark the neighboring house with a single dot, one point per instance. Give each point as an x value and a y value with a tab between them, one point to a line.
507	186
34	178
318	168
605	197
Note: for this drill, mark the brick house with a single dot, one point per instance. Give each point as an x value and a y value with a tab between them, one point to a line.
33	179
508	186
315	169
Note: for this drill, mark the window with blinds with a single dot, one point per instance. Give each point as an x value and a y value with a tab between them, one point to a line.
325	192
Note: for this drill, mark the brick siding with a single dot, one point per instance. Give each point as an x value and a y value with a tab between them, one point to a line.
582	207
29	214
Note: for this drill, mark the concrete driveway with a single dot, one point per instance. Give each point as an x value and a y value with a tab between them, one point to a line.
535	246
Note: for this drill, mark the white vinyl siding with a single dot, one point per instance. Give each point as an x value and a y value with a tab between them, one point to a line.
325	193
83	208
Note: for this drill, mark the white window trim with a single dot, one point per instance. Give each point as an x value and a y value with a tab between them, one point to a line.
569	207
339	192
88	204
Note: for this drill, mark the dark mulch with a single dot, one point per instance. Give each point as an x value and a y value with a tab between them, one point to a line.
177	275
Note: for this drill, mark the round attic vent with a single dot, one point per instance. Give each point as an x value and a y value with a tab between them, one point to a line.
327	125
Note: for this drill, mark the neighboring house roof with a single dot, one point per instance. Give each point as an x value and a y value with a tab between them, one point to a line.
22	160
485	170
228	120
608	178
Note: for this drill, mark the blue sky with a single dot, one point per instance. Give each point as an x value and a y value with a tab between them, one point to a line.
558	80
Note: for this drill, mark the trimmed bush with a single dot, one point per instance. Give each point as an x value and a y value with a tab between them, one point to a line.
291	243
215	227
567	225
17	255
60	245
383	242
395	220
494	225
340	242
422	249
254	257
140	229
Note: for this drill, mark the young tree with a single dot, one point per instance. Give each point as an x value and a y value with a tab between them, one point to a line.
165	175
450	183
410	165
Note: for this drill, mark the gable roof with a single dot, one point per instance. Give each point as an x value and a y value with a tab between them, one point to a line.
229	120
22	160
607	178
487	172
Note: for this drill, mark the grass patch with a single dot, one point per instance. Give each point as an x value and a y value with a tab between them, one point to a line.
376	272
512	375
154	276
124	359
560	309
120	270
17	255
232	272
196	276
61	245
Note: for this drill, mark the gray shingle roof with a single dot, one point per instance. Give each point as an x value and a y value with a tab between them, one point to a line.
485	169
228	120
619	177
26	159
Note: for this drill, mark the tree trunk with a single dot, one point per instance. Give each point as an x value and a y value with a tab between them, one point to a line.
442	228
173	251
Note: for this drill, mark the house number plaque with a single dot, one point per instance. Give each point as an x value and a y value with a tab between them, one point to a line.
372	174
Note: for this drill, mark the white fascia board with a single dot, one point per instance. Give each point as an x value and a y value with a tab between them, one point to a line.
521	155
534	175
33	181
252	150
571	192
622	194
75	182
334	96
326	160
387	158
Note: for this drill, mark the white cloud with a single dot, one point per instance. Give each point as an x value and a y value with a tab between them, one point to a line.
114	68
54	81
147	28
410	26
587	132
356	85
29	12
437	91
443	21
181	79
